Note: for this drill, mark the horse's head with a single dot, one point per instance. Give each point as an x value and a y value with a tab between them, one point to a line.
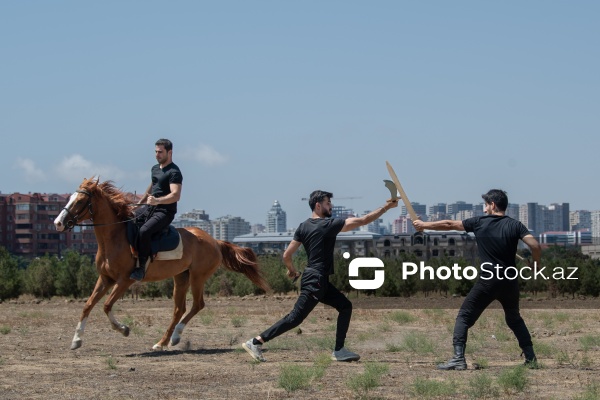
79	207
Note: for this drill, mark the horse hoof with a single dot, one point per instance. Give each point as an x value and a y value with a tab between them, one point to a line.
125	331
175	341
75	344
159	347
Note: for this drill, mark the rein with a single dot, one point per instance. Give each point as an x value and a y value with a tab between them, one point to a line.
111	223
88	206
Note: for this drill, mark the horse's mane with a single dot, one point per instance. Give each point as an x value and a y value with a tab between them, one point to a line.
119	201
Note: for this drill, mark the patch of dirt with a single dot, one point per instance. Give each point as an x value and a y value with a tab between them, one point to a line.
36	363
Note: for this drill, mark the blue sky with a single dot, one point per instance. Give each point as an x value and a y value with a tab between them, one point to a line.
269	100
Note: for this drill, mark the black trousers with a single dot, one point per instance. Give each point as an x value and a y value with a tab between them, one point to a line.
480	296
314	288
157	220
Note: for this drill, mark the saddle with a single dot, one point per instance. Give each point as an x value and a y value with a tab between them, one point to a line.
166	244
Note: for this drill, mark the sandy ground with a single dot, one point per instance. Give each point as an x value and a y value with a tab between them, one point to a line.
408	336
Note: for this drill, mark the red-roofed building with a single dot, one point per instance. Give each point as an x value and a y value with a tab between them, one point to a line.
27	226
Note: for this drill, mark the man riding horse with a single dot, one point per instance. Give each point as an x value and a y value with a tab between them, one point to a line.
162	195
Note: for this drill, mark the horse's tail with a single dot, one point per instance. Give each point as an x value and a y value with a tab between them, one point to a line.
243	260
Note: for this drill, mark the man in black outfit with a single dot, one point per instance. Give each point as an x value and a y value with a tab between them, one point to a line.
318	235
162	195
497	237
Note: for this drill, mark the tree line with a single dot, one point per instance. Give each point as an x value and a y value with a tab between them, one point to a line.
74	276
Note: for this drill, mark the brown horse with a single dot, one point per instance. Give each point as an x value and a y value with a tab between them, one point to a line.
109	208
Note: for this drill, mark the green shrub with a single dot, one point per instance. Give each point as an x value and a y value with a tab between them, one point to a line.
427	388
513	379
10	277
370	379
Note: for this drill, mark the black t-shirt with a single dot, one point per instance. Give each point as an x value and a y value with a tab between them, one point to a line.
497	238
318	237
161	181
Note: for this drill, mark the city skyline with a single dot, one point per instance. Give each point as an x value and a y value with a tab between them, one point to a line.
27	227
398	212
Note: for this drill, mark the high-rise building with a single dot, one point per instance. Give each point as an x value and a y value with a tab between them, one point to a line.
464	214
420	210
403	224
580	219
374	227
438	212
565	215
532	216
341	212
595	216
454	208
439	208
195	218
539	218
276	219
512	211
228	227
195	215
557	217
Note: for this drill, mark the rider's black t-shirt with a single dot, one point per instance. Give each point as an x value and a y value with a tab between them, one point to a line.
497	238
161	181
318	237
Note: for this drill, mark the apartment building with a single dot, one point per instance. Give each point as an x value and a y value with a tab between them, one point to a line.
27	226
580	219
195	218
228	227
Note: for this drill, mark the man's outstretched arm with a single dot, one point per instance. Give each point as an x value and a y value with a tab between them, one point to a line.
443	225
356	222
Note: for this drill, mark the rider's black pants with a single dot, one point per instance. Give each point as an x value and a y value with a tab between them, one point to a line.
158	220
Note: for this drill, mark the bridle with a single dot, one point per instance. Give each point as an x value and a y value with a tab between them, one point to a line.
73	218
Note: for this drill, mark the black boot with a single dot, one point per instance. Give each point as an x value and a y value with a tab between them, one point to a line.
139	271
457	362
530	358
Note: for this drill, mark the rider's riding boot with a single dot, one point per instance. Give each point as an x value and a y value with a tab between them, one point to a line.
457	362
140	270
530	358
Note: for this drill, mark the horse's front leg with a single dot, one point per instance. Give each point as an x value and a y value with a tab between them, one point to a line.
102	286
118	291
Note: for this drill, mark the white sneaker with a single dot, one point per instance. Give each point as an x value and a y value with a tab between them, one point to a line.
344	355
255	350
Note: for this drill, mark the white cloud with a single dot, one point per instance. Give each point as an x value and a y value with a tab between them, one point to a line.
205	155
31	172
75	168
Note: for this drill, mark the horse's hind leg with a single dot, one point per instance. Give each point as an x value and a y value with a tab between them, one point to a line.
102	286
180	288
197	284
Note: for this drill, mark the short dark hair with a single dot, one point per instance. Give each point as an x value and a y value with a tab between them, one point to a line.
497	197
318	196
166	143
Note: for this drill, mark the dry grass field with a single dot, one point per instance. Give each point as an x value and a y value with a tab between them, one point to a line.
400	341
